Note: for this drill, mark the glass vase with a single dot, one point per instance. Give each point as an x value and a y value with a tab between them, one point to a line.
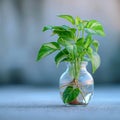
76	90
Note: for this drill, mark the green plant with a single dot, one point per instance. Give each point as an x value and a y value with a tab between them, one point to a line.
75	43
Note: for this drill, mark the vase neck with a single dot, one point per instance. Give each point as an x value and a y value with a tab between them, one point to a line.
75	70
82	64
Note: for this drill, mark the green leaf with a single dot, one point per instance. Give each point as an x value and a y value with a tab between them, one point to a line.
78	20
68	18
68	35
45	28
82	25
61	56
73	95
88	41
80	47
95	60
47	49
62	28
89	51
64	42
80	42
61	41
70	94
95	44
66	93
70	48
73	30
95	28
85	22
64	31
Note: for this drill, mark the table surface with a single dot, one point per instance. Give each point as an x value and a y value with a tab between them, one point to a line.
29	103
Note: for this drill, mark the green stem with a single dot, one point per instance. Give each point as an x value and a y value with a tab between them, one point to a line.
77	74
77	68
83	33
77	84
78	34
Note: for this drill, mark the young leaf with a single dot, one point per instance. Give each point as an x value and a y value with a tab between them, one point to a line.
78	20
47	49
70	94
68	18
94	27
82	25
61	56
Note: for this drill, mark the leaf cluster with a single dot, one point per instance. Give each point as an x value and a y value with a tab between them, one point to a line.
75	42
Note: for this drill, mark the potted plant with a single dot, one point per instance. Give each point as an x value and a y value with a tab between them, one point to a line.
75	46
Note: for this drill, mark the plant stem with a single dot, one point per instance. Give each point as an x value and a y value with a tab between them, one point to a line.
77	68
83	33
77	84
77	74
78	34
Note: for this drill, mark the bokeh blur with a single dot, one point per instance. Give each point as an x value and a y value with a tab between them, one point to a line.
21	36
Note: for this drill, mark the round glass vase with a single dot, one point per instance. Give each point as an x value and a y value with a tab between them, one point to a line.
76	91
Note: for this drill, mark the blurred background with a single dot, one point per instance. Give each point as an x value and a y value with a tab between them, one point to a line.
21	36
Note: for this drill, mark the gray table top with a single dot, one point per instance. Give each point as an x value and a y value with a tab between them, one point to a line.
28	103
